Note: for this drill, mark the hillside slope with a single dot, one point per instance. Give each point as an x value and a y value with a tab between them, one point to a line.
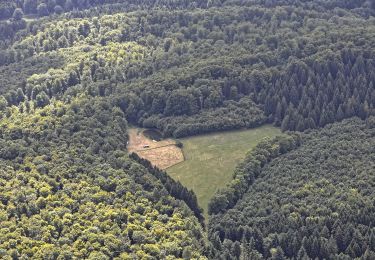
74	73
316	201
68	190
187	71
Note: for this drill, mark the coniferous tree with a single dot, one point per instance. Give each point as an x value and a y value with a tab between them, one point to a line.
18	14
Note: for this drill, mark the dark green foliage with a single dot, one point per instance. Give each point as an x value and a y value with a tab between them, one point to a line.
3	103
232	115
16	74
58	9
42	10
30	6
7	8
315	201
175	188
71	81
248	171
18	14
42	99
199	66
153	134
179	144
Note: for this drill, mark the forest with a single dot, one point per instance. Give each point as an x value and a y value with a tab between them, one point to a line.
69	191
75	73
315	202
226	67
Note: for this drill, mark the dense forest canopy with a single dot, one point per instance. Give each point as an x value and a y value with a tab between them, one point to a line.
75	73
50	7
299	68
68	190
316	201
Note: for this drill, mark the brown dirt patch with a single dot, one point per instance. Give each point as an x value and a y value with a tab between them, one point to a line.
163	157
162	154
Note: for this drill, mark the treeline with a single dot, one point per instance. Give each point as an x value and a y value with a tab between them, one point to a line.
317	88
71	82
8	29
314	93
50	7
12	12
314	202
201	70
232	115
175	188
44	7
322	5
248	171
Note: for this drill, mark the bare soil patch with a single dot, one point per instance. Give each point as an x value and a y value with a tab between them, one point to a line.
163	153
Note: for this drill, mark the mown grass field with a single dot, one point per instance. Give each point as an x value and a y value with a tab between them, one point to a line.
210	159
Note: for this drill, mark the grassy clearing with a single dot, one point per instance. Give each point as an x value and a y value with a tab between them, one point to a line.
210	159
162	154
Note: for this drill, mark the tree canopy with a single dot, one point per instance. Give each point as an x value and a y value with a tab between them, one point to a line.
75	73
315	201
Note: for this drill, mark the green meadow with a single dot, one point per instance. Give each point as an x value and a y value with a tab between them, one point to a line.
210	159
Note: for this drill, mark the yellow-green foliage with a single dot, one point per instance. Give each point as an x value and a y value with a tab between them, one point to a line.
68	192
81	219
91	50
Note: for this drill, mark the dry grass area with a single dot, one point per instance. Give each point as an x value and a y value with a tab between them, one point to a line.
162	154
163	157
